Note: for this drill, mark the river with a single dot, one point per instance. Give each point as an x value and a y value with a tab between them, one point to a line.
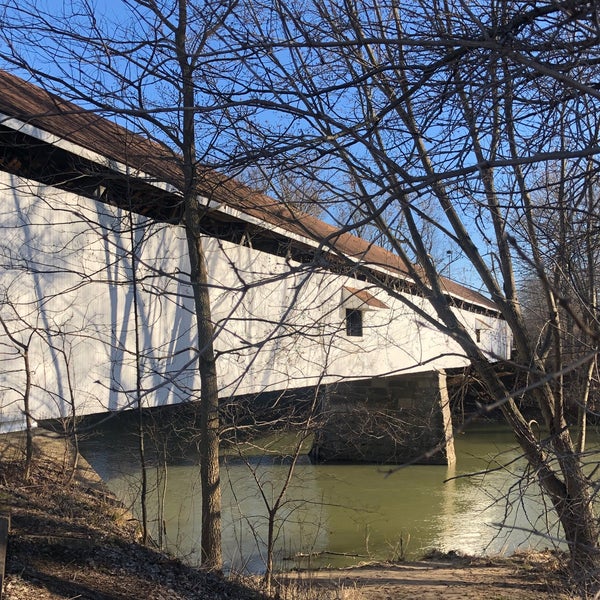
338	514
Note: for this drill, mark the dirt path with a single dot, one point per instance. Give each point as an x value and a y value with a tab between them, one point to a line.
525	577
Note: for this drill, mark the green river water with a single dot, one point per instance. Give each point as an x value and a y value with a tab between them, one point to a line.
340	514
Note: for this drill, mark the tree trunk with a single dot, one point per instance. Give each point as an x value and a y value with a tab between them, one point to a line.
210	545
209	402
27	411
583	408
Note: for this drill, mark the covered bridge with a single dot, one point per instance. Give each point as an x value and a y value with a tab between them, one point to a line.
295	301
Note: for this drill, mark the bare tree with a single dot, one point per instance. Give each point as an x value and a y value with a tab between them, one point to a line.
21	341
287	419
566	220
146	47
441	114
181	130
461	105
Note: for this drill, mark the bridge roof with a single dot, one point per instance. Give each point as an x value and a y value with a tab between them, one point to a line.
25	105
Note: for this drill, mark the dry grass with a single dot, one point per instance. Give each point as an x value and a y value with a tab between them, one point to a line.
303	586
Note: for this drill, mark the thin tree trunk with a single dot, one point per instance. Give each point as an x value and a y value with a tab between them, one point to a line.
210	545
23	349
28	420
583	408
209	405
72	431
138	378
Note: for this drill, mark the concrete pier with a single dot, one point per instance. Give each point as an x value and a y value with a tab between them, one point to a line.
386	420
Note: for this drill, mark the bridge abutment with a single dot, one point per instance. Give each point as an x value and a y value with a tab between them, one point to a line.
386	420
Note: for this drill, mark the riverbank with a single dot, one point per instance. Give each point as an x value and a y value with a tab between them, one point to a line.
71	539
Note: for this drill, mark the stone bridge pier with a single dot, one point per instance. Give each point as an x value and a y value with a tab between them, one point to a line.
386	420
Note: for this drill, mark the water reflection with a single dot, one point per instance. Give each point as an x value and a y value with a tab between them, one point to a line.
341	514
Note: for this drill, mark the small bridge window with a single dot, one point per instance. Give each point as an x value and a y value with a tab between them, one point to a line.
354	322
481	327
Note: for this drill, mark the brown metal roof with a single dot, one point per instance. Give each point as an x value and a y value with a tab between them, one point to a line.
365	297
33	105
